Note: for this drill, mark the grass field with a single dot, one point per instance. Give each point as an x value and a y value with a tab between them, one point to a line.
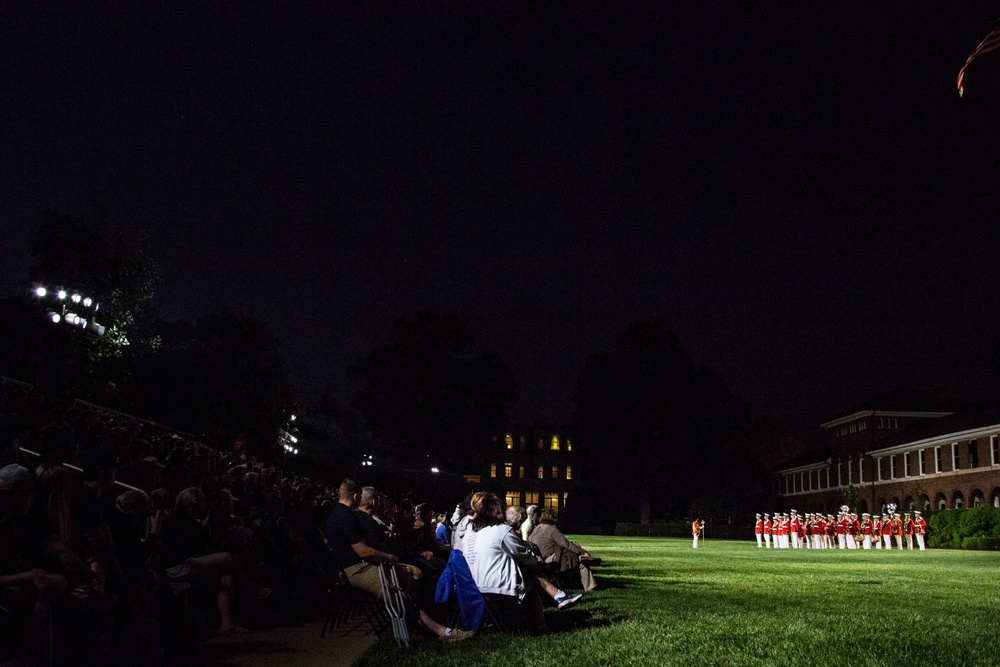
728	603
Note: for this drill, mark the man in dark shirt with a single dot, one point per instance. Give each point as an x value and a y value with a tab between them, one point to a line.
360	562
374	530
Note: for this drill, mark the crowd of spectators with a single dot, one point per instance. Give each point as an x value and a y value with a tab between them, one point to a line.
123	542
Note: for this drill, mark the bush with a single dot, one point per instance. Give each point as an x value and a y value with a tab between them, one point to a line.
943	531
972	528
981	543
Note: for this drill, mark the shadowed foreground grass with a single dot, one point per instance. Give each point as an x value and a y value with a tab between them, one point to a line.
663	603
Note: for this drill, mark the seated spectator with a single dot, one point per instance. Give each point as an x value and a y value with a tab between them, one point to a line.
529	521
515	516
375	531
25	592
359	561
27	540
432	554
498	559
441	530
464	521
556	550
188	562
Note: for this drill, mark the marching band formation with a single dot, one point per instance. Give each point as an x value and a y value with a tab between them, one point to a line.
846	531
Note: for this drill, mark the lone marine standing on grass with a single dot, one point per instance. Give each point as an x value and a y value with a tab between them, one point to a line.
696	529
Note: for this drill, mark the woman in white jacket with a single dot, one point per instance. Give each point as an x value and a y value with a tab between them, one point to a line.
498	558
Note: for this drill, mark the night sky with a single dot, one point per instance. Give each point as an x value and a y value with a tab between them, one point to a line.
797	191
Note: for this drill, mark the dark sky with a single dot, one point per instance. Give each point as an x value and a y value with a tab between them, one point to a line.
797	191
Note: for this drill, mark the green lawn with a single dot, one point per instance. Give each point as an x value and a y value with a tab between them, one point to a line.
728	603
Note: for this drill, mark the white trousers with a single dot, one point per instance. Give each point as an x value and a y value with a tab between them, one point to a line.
888	541
920	542
760	541
868	542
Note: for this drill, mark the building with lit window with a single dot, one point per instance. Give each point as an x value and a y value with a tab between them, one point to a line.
912	450
534	465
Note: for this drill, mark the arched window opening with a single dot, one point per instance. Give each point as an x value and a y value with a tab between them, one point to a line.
940	502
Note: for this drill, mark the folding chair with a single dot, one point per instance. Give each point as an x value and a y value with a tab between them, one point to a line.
347	604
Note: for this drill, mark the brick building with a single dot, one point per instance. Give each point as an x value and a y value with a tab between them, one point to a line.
911	449
534	465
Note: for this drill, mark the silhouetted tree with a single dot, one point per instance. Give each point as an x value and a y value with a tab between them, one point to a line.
425	395
87	253
655	429
220	377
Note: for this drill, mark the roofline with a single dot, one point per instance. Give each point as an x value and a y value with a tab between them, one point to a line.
882	413
938	439
816	465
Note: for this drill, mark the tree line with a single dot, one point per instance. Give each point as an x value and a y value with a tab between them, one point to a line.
659	436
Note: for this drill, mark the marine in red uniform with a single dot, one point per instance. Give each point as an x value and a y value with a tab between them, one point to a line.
910	529
921	527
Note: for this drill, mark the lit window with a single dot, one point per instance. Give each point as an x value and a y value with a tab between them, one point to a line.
508	469
509	441
530	497
493	470
551	502
541	472
555	472
569	445
555	443
520	472
569	472
513	498
565	497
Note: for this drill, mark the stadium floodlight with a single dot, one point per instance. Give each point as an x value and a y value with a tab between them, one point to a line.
59	310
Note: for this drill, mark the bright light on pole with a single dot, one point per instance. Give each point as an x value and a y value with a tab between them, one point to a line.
58	309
